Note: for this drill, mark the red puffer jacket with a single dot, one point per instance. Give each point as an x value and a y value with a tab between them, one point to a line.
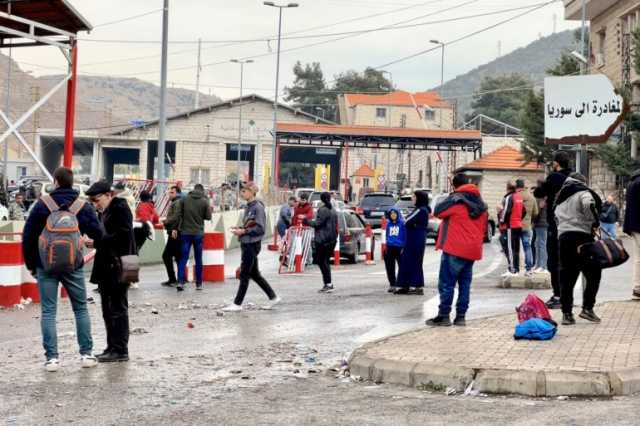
464	223
146	212
301	210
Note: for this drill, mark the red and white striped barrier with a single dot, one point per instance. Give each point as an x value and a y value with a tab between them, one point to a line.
383	236
213	257
296	250
16	282
368	244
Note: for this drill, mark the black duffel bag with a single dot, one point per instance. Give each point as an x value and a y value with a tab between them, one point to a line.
604	253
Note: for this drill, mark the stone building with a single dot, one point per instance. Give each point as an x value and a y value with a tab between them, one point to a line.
492	171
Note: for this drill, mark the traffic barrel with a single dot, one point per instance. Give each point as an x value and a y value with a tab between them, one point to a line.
16	282
213	257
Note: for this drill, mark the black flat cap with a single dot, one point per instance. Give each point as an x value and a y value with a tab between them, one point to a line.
100	187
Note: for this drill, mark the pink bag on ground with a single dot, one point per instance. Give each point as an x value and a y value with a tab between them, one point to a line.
533	307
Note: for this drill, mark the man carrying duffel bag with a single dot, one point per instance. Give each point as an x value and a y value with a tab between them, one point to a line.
577	214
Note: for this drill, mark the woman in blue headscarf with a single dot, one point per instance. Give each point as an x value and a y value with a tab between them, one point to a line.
410	276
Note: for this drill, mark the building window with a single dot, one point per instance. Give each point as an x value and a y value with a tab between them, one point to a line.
430	114
602	41
381	113
200	175
365	182
22	171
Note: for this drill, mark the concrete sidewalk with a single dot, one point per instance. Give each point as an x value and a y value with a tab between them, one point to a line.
586	359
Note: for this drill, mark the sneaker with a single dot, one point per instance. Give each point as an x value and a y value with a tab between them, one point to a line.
326	289
439	322
417	291
114	357
553	303
134	286
391	290
180	287
88	361
169	283
401	290
199	286
528	274
459	322
273	302
568	319
636	293
589	315
232	308
52	365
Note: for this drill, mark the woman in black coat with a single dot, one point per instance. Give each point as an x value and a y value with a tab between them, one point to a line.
410	275
326	235
118	241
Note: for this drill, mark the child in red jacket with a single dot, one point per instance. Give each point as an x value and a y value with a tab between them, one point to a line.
146	212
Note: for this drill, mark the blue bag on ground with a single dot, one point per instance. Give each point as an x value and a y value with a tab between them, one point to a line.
535	329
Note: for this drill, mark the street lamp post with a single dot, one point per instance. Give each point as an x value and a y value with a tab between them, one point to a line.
242	63
445	160
274	150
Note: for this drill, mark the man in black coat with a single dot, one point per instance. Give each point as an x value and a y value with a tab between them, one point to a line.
632	226
549	189
118	241
64	196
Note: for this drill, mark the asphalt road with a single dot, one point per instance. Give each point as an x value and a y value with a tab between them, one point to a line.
267	367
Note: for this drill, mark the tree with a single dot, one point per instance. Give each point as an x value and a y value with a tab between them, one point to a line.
532	125
309	91
500	98
370	80
568	64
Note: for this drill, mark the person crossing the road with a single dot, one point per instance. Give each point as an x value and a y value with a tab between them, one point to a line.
250	234
326	235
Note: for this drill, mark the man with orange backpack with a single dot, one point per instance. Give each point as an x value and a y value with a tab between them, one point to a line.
52	249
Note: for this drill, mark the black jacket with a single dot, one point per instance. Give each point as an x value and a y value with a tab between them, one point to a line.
632	210
550	188
609	213
64	197
326	226
118	240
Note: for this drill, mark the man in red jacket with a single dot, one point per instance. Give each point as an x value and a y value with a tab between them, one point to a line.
303	210
511	216
460	237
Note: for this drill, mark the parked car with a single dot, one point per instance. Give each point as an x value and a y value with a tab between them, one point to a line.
299	191
352	228
374	206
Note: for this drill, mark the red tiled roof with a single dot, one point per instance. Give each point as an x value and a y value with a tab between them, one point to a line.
365	171
323	129
504	158
431	99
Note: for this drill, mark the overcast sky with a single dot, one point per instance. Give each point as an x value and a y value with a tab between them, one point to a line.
219	20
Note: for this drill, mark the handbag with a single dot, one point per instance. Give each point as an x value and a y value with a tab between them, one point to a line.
604	254
129	269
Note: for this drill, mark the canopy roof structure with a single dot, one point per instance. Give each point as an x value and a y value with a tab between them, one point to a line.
26	23
379	137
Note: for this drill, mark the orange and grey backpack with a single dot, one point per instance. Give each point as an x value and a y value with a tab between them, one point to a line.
59	244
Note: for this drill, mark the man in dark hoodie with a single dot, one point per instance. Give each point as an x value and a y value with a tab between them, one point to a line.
461	236
549	188
64	196
577	212
192	211
632	226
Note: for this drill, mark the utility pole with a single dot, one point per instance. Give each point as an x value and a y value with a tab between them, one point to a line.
582	158
35	93
162	125
274	150
242	63
197	101
7	106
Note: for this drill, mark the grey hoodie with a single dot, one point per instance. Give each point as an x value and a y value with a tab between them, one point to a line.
575	214
254	221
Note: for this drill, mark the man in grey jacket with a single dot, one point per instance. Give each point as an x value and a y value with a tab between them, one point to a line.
250	235
577	214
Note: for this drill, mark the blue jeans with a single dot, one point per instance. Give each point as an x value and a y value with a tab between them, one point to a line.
526	246
74	284
186	241
541	248
610	228
454	270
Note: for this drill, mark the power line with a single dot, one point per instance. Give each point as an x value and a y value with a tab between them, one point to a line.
490	27
130	18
